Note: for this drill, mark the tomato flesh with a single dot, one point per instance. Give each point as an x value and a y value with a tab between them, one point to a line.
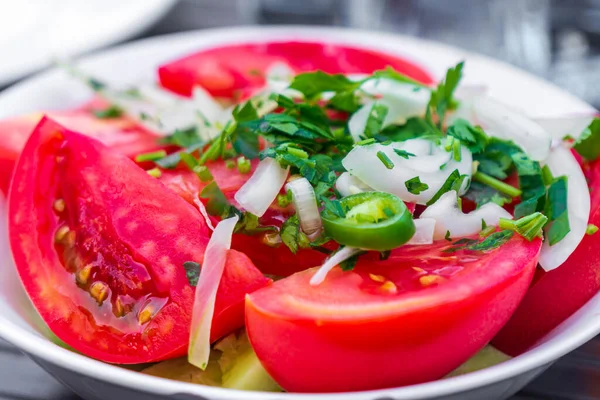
277	260
234	71
100	247
121	134
409	319
554	296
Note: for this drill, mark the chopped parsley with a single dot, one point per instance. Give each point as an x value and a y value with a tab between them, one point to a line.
192	272
556	210
588	144
403	153
491	242
591	229
109	112
474	138
375	121
454	182
415	186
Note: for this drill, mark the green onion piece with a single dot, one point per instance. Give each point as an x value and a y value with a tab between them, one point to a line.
385	160
203	173
365	142
230	164
547	175
487	231
496	184
591	229
152	156
154	172
529	226
284	200
297	152
557	212
244	165
189	160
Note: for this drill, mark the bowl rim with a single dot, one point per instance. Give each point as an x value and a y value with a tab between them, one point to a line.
40	347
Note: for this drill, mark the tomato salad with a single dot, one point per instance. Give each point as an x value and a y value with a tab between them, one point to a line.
301	216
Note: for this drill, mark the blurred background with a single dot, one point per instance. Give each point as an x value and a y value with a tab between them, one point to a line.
556	39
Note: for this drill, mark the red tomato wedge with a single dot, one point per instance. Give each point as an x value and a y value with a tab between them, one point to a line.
234	71
412	318
100	247
554	296
122	134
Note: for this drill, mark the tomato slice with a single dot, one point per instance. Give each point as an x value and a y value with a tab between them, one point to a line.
237	70
122	134
100	247
412	318
554	296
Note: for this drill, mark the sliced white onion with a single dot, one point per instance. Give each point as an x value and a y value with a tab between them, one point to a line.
257	194
206	292
502	121
332	262
449	218
431	163
562	162
305	203
425	228
560	127
204	213
348	185
164	112
402	100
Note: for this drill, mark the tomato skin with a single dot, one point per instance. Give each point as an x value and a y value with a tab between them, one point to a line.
554	296
139	235
236	70
122	134
342	336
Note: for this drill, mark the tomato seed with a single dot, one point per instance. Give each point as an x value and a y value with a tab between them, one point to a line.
429	279
145	315
83	275
99	291
419	270
61	233
377	278
389	287
59	205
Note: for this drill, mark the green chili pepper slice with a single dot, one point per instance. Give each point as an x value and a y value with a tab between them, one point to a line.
373	221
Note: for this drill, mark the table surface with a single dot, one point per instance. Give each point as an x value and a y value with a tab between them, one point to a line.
574	377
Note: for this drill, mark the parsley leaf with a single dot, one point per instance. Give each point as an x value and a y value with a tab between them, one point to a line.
109	113
588	144
403	153
441	99
375	120
473	137
415	186
556	210
391	73
482	194
414	127
531	183
496	159
491	242
292	236
192	272
312	84
217	204
453	182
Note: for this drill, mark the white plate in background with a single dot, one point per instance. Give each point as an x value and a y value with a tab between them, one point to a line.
34	33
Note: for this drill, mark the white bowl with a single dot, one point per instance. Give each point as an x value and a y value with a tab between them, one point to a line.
137	61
